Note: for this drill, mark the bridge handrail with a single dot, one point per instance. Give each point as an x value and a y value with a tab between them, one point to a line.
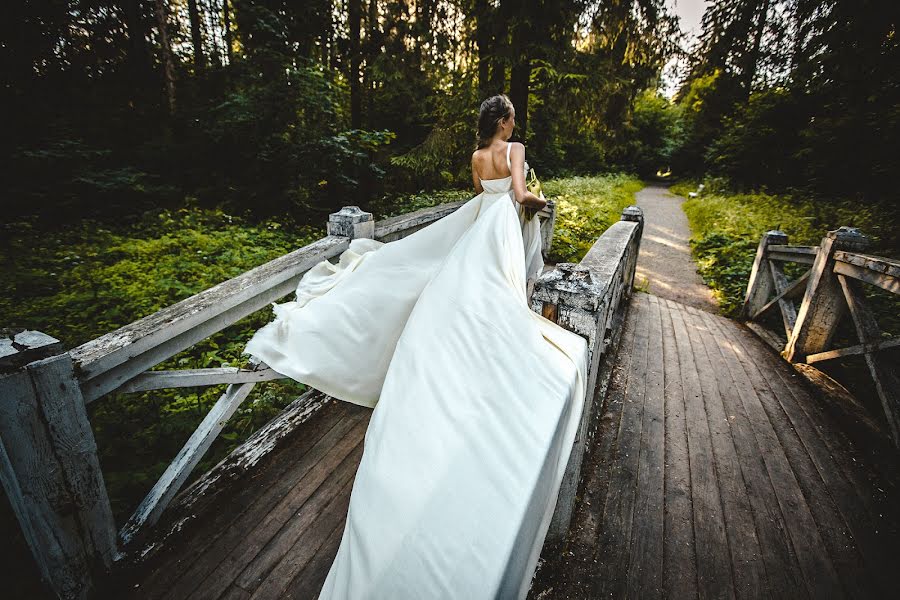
830	288
60	497
588	298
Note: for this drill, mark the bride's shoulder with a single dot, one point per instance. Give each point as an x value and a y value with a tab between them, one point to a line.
517	149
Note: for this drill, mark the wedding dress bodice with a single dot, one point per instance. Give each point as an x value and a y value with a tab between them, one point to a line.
503	185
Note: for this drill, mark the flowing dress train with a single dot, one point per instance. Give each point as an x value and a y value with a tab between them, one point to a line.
476	401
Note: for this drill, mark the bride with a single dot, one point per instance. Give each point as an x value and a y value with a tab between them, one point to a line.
476	397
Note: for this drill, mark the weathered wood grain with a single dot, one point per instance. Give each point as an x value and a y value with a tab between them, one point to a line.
254	449
395	228
856	350
111	360
679	550
299	555
271	567
839	516
645	566
714	577
760	285
202	529
788	310
52	475
308	583
614	543
159	380
816	566
748	565
823	304
794	289
224	570
885	376
158	498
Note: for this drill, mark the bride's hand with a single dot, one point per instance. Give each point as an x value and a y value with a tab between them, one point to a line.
532	201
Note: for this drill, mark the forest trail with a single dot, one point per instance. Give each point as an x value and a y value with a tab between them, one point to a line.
665	260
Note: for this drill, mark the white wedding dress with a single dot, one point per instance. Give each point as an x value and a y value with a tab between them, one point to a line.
476	401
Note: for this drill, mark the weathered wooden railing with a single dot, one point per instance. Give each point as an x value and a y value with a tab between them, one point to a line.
830	288
49	466
587	298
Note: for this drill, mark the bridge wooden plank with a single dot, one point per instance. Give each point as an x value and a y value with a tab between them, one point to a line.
163	569
579	548
782	570
250	541
308	582
748	566
596	483
198	567
818	570
300	526
305	548
810	462
714	577
679	564
645	566
274	478
614	543
866	569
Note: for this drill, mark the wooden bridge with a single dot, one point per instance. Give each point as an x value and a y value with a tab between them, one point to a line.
705	466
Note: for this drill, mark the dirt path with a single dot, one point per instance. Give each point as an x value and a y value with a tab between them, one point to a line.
665	258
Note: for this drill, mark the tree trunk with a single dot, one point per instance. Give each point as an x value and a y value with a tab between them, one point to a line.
138	51
373	49
501	20
196	37
227	16
355	100
520	74
483	39
166	50
753	58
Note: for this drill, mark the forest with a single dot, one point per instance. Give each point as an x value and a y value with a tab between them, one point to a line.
154	148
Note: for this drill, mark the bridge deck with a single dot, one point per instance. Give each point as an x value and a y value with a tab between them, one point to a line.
713	473
277	535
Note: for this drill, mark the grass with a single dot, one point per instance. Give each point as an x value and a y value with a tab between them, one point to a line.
586	207
726	229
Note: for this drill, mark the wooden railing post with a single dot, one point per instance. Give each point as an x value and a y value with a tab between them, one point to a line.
569	297
351	222
636	215
823	303
49	465
761	284
586	299
547	227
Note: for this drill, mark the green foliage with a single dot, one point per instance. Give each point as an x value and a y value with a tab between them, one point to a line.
654	133
88	280
727	229
586	207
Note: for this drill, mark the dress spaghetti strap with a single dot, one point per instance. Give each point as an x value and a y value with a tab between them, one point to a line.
508	163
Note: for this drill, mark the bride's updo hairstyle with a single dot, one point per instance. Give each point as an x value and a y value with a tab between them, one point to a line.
493	110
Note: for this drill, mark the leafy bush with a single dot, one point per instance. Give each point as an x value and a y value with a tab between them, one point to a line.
586	207
727	229
87	280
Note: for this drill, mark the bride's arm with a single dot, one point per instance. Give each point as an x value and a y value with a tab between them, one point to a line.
475	179
523	196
